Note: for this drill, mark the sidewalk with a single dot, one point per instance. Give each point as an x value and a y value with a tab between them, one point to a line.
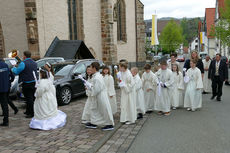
74	137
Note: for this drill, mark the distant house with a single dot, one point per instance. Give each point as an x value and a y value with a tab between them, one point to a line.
208	25
161	23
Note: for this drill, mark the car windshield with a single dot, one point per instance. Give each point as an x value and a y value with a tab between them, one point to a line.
62	69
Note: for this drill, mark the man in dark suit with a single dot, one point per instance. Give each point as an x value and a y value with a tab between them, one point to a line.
218	73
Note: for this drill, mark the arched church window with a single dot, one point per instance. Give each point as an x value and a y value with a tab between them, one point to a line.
121	21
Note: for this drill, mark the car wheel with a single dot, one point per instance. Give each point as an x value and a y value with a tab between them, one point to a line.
65	96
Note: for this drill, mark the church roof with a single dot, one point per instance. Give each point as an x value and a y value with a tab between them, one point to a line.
68	49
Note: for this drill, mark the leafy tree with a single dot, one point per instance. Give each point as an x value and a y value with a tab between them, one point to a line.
222	27
190	29
171	37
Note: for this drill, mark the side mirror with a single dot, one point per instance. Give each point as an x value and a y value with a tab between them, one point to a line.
75	75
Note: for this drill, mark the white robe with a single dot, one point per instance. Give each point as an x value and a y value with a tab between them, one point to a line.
163	100
140	100
128	98
193	93
149	81
100	108
207	82
176	92
109	83
86	110
46	114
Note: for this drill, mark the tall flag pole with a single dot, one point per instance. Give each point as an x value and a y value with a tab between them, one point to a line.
154	31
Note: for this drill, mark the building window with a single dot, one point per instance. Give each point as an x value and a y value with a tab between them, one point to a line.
121	21
72	12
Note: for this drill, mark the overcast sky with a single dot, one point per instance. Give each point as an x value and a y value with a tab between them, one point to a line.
177	8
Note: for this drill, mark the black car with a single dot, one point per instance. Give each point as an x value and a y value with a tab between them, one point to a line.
66	81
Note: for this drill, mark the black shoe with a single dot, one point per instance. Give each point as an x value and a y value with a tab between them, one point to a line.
140	116
204	92
213	97
218	99
29	116
107	128
4	124
26	113
1	115
15	111
91	126
149	112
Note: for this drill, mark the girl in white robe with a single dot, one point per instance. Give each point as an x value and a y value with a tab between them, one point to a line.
149	81
140	101
193	93
86	111
46	114
164	75
100	108
128	97
109	83
207	82
176	93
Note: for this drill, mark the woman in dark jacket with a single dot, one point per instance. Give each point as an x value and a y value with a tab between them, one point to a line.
200	65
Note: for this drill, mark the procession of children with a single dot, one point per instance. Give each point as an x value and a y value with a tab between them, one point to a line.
168	88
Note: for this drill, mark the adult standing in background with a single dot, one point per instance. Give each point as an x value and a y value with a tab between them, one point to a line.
194	56
218	73
207	82
4	87
172	61
25	71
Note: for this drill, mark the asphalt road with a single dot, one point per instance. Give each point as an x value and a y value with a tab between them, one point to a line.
204	131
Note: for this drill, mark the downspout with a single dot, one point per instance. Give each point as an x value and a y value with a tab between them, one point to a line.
136	30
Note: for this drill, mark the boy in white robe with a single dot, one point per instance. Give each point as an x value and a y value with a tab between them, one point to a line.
101	112
140	101
193	93
109	83
86	111
164	75
149	81
207	82
128	97
176	92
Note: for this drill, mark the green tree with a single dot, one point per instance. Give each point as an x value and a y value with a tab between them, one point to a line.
190	29
171	37
222	27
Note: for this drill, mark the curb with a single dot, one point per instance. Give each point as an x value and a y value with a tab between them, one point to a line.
101	142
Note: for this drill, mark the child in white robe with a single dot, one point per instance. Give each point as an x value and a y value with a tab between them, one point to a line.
207	83
140	101
128	97
100	109
193	93
164	75
86	111
176	93
109	83
149	81
46	114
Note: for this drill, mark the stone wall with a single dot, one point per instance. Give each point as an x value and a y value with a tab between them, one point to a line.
2	47
53	20
12	15
32	27
109	54
92	26
141	56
